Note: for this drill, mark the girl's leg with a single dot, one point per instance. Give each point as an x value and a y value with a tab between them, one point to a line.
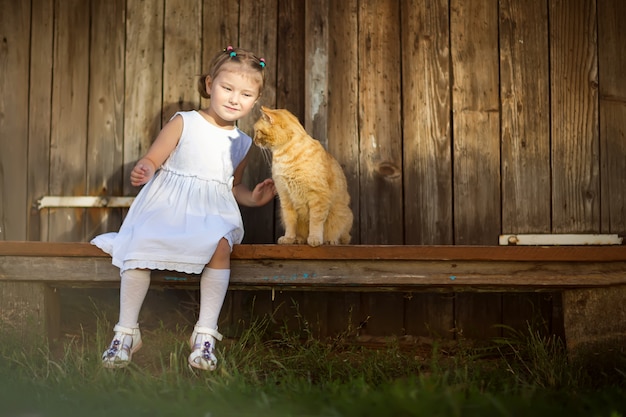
213	287
127	340
133	289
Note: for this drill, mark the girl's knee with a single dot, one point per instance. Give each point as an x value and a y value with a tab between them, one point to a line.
221	257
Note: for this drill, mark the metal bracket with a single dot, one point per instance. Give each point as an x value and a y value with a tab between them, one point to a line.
84	201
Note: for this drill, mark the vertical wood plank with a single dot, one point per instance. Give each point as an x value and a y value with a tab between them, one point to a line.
42	25
430	315
612	61
258	33
381	211
426	122
143	89
14	65
220	28
290	58
70	92
181	56
475	101
476	155
525	96
106	112
343	96
574	107
316	74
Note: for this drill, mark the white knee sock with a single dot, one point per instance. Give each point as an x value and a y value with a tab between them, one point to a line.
133	290
213	286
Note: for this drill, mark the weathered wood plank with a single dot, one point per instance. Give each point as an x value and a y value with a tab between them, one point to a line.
14	67
380	144
70	92
181	56
258	33
612	61
574	109
40	104
143	94
524	86
316	74
343	130
354	275
575	254
476	132
105	142
426	123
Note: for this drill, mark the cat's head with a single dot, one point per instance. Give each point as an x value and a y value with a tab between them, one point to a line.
276	127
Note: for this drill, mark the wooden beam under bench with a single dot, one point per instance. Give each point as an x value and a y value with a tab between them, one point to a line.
591	278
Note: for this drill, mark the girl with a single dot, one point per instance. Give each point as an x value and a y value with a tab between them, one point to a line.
186	218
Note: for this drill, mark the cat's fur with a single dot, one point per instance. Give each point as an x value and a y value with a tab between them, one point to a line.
312	188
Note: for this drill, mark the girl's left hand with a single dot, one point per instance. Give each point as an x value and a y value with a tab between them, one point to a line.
264	192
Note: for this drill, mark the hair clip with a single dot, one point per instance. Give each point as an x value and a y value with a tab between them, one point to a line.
231	51
262	62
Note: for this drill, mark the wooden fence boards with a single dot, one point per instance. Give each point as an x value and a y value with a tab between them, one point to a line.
105	132
143	88
380	135
70	92
14	68
524	92
343	100
40	105
426	123
612	61
476	120
182	54
574	109
454	122
258	32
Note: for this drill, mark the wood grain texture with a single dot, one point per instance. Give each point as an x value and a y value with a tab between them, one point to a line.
14	66
258	33
143	91
574	108
426	123
105	133
343	96
181	56
380	134
70	92
476	121
40	105
612	61
524	92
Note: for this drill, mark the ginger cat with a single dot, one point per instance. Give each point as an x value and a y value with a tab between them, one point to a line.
312	188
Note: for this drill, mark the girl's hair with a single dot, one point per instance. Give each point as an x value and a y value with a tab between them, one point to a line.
247	59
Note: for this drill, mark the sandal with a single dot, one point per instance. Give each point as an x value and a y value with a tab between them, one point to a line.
125	342
202	343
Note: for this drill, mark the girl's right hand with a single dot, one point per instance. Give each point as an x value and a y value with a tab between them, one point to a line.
141	173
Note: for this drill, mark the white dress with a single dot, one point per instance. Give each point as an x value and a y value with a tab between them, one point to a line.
180	215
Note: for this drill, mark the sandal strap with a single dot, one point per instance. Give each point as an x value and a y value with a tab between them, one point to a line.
126	330
210	332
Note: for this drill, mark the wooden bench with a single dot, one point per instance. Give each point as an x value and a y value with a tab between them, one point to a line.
592	279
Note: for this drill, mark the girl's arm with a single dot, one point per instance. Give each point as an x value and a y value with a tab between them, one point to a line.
263	193
159	151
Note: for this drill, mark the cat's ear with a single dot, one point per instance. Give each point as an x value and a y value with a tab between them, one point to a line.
267	115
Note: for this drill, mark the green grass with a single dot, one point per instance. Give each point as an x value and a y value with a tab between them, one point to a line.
293	374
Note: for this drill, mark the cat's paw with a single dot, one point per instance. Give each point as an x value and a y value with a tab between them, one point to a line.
284	240
314	241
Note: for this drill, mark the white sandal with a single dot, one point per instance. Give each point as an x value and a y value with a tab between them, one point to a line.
202	343
120	352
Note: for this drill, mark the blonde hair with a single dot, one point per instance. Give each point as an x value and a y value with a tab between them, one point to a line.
245	58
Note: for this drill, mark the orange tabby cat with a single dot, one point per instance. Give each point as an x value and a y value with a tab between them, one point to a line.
314	200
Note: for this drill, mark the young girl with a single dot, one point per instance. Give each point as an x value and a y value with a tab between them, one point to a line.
186	218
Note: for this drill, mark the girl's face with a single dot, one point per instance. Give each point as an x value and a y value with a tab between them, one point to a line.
233	95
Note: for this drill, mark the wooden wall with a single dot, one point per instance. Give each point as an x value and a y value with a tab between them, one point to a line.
455	120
